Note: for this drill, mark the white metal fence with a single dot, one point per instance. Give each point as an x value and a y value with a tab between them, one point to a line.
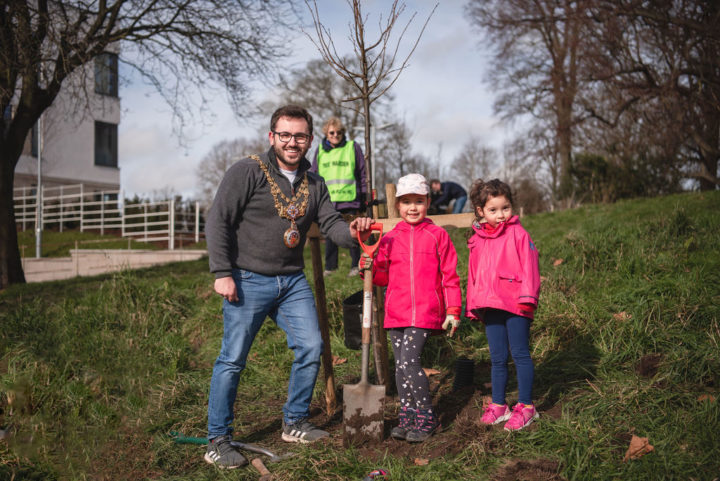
72	207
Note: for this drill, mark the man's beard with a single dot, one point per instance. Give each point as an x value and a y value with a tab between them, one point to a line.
280	154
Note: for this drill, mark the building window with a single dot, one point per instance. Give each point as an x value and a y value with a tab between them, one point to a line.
106	74
106	146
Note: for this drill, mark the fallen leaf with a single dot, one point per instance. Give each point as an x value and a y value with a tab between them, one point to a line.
430	372
543	279
622	316
706	397
486	400
338	360
638	447
487	385
557	262
421	462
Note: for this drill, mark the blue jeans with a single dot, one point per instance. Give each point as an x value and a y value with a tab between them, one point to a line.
287	300
507	330
459	205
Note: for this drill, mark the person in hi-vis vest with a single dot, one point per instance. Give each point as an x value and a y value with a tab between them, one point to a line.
342	164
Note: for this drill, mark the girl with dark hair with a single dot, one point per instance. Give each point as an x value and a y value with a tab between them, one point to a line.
502	292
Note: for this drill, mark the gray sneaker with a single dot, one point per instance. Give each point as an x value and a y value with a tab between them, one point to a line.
223	455
354	272
302	431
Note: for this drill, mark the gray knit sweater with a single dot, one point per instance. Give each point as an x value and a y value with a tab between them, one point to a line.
243	228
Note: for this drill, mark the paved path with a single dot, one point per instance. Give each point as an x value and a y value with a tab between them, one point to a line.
91	262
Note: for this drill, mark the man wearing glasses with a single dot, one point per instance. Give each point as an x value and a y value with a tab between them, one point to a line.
256	230
341	163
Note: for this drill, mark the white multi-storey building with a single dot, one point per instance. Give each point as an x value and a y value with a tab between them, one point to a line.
78	134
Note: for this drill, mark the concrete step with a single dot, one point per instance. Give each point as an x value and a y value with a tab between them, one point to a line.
91	262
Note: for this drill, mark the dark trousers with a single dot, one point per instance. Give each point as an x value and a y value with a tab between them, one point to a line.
411	381
331	249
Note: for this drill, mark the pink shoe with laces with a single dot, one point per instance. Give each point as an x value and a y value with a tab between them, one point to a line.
495	413
522	416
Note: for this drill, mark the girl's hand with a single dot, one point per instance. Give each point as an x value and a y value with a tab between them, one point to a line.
452	321
365	263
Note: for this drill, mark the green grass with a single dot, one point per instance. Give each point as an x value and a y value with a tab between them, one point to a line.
94	372
59	244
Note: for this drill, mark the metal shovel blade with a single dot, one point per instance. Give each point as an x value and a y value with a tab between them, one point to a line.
363	409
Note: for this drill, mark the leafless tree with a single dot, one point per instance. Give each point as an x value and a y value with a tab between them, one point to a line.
177	45
376	65
659	61
475	161
538	49
222	155
318	88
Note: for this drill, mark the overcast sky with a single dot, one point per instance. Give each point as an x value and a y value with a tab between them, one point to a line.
440	96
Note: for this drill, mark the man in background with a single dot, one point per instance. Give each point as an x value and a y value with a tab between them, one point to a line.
442	193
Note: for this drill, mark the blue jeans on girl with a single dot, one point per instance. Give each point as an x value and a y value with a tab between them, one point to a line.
505	332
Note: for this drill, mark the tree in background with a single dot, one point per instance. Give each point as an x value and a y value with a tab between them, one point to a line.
536	65
635	83
222	155
376	65
319	89
177	45
475	161
530	195
658	63
392	152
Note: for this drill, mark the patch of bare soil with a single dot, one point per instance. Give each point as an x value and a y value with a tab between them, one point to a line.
554	412
649	364
459	414
528	470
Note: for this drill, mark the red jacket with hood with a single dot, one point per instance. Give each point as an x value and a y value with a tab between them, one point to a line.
503	270
418	264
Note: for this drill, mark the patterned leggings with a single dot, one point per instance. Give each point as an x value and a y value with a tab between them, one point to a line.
410	379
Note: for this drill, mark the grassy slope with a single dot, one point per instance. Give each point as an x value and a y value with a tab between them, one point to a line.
94	372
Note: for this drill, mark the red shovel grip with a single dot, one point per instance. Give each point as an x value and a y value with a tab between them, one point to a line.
370	250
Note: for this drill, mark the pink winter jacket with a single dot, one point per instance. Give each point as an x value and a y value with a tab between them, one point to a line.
418	263
503	269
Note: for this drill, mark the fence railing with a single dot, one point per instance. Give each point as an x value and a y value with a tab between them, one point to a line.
72	207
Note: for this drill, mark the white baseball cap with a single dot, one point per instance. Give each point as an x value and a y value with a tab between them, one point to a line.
412	184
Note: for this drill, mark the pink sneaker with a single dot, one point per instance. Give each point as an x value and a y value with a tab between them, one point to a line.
522	416
495	413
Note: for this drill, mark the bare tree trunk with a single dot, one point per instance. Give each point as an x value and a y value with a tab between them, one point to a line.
11	271
564	149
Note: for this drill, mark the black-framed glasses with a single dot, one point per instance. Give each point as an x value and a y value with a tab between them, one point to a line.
338	132
285	137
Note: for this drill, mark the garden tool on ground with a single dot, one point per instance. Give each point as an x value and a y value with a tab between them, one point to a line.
272	457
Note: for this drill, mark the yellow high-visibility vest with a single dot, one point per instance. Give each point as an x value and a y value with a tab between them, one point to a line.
337	167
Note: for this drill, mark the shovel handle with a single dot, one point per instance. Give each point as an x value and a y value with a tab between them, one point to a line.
370	250
260	466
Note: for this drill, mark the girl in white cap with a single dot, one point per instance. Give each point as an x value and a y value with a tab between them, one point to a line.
417	262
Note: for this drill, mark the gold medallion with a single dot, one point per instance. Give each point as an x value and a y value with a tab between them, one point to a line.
291	237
